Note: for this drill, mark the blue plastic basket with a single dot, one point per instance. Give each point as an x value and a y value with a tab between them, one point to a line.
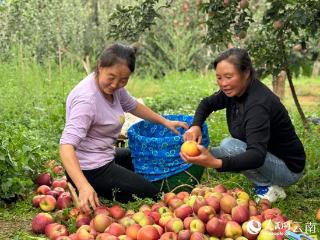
155	149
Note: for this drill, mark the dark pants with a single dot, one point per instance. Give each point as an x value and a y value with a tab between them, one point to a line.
117	181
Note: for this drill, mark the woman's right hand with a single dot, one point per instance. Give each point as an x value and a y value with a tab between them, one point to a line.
88	197
193	134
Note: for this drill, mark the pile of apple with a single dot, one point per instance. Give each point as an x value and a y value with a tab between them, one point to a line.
205	213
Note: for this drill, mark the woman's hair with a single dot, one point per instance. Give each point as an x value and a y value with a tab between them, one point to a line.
115	54
239	57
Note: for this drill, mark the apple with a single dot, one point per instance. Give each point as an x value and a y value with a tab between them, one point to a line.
156	216
132	231
101	210
175	203
145	207
258	218
271	213
101	221
219	188
73	236
233	230
44	179
60	190
164	219
183	211
106	236
159	228
74	213
190	148
174	225
126	221
169	236
40	221
253	211
168	196
116	229
63	238
47	203
227	202
225	217
213	202
148	233
251	229
53	193
117	211
84	233
157	205
199	202
266	235
58	169
43	189
184	234
205	213
196	225
54	230
124	237
216	227
277	24
36	200
240	213
82	219
64	200
244	4
198	236
59	183
183	195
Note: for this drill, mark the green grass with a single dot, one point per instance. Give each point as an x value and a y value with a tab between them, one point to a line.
31	99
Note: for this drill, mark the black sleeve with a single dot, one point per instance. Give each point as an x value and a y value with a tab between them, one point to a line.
257	127
207	105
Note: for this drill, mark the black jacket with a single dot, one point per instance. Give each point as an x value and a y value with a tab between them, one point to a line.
259	119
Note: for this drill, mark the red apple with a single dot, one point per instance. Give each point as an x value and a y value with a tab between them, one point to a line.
59	183
240	213
183	195
156	216
183	211
126	221
47	203
198	236
227	202
169	236
199	202
175	203
271	213
219	188
253	211
53	193
58	169
148	233
106	236
40	221
184	234
82	219
157	205
205	213
64	200
124	237
132	231
44	179
63	238
54	230
216	227
43	189
168	196
159	228
196	225
190	148
116	229
187	221
60	190
117	211
101	221
213	202
36	200
101	210
233	230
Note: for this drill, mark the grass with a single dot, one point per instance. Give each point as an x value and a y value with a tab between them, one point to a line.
32	97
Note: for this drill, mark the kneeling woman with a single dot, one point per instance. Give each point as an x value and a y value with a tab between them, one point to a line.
264	145
94	117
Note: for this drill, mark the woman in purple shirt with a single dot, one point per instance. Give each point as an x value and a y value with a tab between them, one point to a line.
94	117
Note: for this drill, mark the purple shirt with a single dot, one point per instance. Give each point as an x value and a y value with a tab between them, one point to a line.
93	123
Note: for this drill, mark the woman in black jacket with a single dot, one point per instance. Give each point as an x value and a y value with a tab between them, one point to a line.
264	145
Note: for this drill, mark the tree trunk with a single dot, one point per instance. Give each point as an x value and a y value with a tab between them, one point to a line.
316	68
278	84
296	101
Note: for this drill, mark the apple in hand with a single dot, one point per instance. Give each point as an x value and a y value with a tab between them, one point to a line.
190	148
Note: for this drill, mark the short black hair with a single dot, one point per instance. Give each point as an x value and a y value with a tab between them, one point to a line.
117	53
239	57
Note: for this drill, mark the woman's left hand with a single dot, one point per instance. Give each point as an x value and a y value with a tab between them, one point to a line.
173	125
205	159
